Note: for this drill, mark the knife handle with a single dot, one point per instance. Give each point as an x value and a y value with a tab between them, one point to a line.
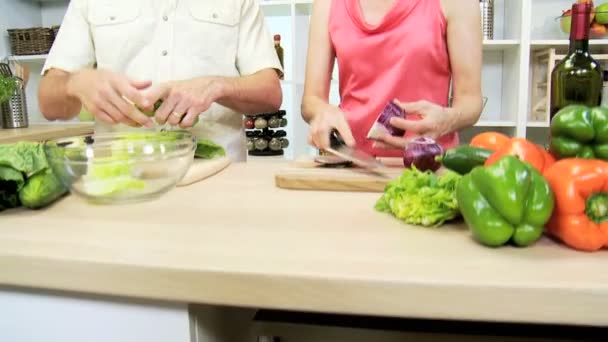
335	140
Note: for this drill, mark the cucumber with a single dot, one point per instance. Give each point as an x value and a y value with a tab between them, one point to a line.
462	159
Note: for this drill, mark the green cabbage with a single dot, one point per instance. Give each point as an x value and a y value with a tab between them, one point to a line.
421	198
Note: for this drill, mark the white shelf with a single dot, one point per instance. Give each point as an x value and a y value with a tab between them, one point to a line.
29	58
543	43
276	3
501	44
497	123
541	124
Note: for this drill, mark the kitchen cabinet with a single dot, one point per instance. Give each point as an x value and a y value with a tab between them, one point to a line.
208	257
520	28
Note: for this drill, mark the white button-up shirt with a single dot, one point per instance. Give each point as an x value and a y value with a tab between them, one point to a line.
163	40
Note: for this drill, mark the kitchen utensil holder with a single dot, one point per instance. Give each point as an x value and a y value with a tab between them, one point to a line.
14	110
487	18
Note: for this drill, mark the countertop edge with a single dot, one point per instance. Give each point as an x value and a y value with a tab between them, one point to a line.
442	301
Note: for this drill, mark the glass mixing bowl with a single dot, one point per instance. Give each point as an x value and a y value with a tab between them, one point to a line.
121	167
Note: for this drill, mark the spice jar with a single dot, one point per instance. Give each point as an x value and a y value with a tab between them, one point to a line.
260	123
261	143
275	144
274	122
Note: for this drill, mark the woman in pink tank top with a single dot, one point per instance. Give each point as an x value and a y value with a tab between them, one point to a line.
402	51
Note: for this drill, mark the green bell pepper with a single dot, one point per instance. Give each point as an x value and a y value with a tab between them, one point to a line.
580	131
506	201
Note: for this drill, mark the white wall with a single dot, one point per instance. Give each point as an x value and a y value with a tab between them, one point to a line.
53	12
21	14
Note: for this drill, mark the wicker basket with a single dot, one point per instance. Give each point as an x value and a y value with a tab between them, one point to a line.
31	41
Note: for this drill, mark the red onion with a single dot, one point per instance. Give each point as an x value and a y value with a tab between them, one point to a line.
421	152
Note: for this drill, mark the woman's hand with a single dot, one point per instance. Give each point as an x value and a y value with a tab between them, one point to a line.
184	100
322	124
436	121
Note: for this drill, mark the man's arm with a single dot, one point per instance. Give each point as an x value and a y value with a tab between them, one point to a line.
259	88
69	81
72	50
257	93
53	98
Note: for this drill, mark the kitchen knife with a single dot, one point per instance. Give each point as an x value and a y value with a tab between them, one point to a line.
366	161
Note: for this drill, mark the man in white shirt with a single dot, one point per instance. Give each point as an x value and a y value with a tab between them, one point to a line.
207	57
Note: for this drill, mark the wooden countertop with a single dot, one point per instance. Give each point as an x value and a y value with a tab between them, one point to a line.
236	239
41	132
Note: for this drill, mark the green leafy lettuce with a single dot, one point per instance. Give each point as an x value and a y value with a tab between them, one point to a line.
26	177
421	198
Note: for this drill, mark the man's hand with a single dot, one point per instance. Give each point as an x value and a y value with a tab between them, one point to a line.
110	97
184	100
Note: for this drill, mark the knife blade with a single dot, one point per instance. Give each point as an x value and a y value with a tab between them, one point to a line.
358	157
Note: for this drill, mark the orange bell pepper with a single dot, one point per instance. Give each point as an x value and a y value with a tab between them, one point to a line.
525	150
580	217
489	140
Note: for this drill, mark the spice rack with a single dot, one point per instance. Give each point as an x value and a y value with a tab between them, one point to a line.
264	136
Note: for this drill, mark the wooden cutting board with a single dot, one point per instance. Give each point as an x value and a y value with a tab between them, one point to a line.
308	175
202	169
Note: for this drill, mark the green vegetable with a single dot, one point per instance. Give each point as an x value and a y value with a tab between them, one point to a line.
7	88
207	149
506	201
27	157
464	158
421	198
157	105
26	177
110	176
112	186
580	131
41	190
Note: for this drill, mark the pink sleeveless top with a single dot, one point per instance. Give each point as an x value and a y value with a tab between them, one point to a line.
405	57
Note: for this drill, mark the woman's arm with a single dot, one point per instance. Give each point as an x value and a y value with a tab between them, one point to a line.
465	48
319	61
316	109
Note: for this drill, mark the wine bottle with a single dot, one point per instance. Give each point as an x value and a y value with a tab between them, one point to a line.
577	79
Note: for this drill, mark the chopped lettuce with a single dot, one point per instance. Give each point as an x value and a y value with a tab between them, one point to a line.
112	186
421	198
